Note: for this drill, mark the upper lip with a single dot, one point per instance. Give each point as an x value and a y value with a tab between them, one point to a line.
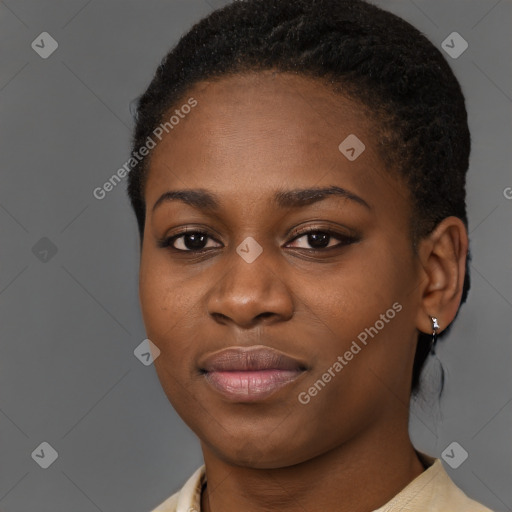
257	357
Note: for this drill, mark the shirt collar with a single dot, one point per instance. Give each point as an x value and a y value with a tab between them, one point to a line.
432	490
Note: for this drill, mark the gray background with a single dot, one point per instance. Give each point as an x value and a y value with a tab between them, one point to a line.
70	319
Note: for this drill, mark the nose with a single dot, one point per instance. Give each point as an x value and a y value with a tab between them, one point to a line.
250	293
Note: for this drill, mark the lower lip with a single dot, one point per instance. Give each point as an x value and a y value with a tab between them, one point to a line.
250	386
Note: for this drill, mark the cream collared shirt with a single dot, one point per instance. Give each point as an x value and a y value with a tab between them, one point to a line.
432	491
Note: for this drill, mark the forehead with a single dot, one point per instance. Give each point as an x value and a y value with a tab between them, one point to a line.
250	134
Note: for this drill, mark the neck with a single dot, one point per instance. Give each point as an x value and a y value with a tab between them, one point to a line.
357	476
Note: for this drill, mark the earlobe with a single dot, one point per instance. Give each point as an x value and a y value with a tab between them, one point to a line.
442	257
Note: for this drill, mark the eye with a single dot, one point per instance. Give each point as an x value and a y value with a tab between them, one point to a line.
320	239
187	241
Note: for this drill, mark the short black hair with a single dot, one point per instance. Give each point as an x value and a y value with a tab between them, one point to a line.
375	57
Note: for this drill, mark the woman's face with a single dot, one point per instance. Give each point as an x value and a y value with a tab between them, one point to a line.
341	302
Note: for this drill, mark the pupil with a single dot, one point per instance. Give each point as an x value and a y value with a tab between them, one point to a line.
318	240
194	241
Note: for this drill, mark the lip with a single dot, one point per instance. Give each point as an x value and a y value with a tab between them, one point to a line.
249	374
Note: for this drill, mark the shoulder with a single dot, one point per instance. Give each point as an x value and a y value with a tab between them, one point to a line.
169	505
434	491
188	497
449	494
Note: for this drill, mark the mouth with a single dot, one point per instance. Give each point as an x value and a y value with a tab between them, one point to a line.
250	374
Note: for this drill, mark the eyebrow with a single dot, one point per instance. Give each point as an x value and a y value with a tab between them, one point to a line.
204	200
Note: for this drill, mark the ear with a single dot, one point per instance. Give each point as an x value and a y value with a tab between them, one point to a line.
442	257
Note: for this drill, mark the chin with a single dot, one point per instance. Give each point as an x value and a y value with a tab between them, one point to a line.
252	455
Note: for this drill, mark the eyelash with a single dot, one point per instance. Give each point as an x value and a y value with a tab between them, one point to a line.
167	242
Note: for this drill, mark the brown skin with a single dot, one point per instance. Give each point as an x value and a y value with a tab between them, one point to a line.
348	449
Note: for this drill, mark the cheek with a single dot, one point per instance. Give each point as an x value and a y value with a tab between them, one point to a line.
155	295
162	286
164	304
350	294
174	317
362	308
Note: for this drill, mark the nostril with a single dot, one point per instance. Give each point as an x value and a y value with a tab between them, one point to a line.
220	316
265	315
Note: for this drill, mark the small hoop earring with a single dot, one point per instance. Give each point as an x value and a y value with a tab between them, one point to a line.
435	327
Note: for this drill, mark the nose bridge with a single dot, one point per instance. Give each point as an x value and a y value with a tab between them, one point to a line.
250	287
249	279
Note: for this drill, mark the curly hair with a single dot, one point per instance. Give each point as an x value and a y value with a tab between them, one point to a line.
393	72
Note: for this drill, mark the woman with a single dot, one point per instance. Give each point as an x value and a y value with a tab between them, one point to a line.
300	197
